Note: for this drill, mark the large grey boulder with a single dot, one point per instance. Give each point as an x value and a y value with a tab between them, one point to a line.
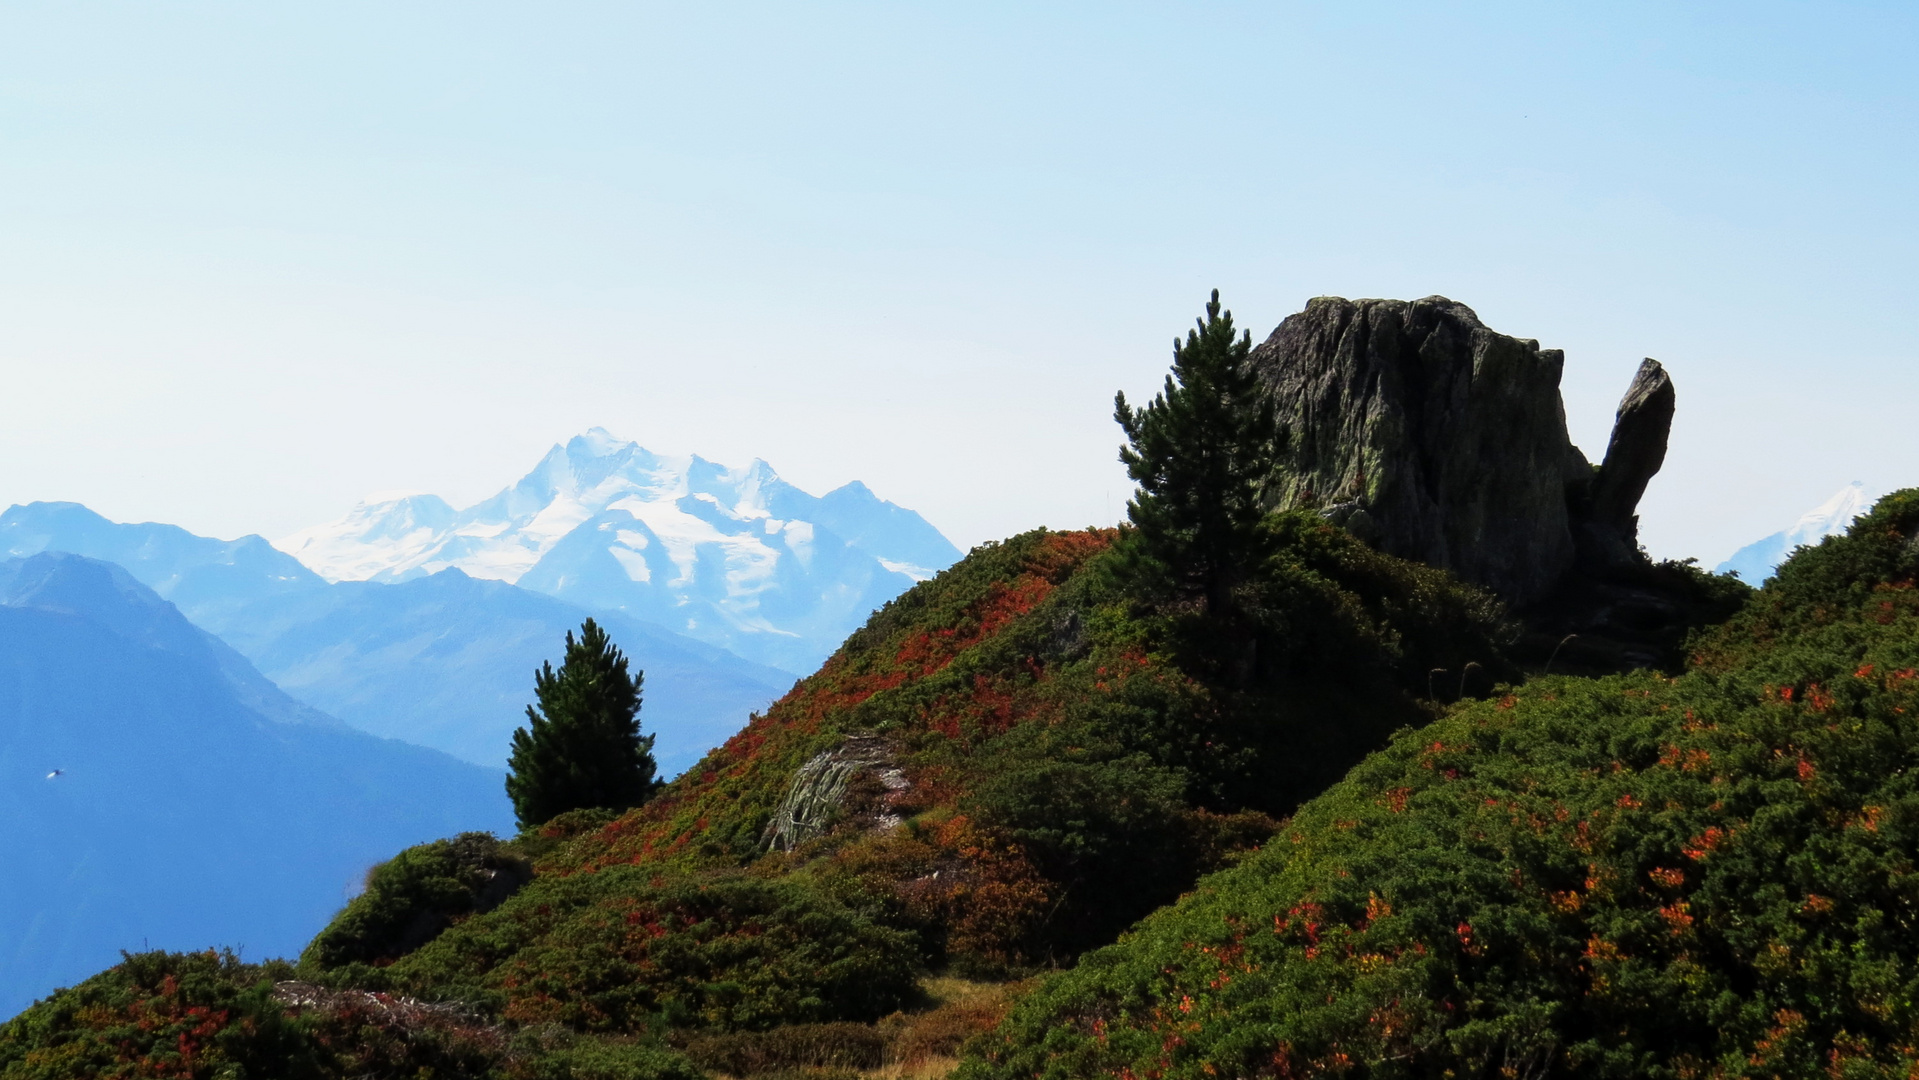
1441	440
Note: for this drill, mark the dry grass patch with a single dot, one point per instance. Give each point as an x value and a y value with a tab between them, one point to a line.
925	1045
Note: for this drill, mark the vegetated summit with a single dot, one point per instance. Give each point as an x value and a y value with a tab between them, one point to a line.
1645	874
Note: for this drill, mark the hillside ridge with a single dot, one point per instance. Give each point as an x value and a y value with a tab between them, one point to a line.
1329	811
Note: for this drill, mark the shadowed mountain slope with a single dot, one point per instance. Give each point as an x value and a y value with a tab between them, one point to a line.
195	804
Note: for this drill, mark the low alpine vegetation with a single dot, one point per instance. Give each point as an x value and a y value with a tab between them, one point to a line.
1632	876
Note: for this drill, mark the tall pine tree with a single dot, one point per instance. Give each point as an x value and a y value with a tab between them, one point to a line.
582	745
1201	452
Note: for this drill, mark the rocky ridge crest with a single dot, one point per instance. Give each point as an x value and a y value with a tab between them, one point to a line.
1435	438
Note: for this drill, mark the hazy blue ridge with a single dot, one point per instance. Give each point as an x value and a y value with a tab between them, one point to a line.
1755	562
445	661
884	529
183	817
198	574
54	584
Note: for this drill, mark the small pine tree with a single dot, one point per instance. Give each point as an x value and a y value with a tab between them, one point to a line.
1202	452
582	745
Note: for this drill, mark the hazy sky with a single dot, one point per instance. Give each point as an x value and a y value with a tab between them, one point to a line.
257	260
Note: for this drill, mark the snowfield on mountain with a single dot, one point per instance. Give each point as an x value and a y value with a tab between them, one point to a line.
734	557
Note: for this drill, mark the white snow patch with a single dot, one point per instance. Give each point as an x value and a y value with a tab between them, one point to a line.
917	573
1756	561
633	563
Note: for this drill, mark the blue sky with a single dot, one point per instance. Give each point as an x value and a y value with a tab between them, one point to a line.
258	260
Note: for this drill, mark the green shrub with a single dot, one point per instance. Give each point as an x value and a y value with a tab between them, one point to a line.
1331	608
1616	877
1621	877
795	1046
1831	605
1345	640
207	1016
627	950
562	1055
412	897
162	1014
1112	834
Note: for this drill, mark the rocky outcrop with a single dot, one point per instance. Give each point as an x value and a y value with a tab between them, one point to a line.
1430	435
1605	518
819	792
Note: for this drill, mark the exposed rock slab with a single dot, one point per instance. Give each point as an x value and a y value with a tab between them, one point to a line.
820	788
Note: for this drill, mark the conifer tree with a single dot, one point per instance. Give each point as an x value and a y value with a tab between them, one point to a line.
1201	452
582	745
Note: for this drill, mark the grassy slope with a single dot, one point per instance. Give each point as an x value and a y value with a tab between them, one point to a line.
1634	876
1063	769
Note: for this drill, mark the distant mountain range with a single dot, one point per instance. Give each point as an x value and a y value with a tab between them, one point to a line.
158	791
1756	561
733	557
189	727
445	661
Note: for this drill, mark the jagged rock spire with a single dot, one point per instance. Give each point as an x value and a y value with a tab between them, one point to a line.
1635	452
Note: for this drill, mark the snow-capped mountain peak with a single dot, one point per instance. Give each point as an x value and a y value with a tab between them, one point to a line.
1830	517
1756	561
736	556
380	531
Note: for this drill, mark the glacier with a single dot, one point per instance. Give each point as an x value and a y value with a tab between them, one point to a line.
735	557
1755	562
